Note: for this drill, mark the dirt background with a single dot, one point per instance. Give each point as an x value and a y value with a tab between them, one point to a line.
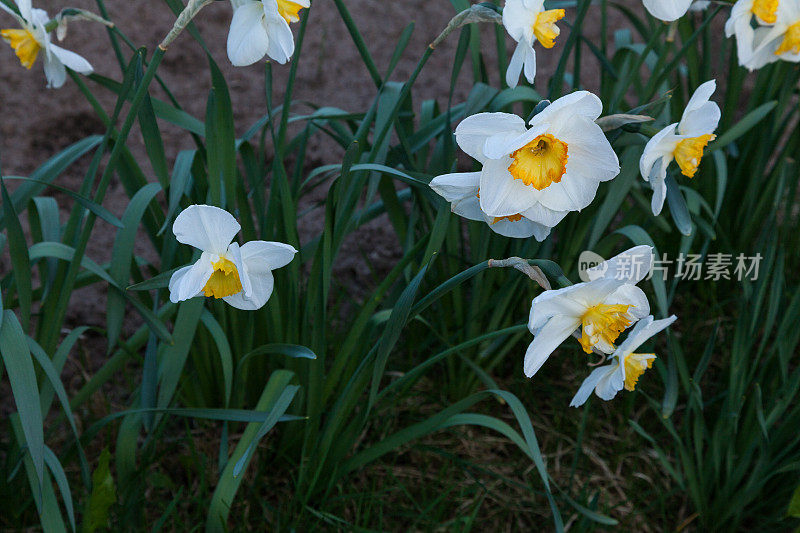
36	123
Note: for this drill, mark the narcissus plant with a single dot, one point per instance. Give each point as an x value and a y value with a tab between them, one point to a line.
33	38
241	276
601	308
683	142
626	366
539	173
261	28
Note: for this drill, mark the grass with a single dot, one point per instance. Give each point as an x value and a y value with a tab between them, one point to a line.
404	409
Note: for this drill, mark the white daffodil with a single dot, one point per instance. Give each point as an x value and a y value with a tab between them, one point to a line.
668	10
33	37
544	172
462	190
603	308
527	22
683	142
242	276
740	25
626	366
781	41
261	27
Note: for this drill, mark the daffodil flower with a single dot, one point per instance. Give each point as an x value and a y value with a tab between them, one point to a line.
626	366
241	276
261	27
544	172
670	10
33	38
462	190
527	22
740	25
683	142
780	41
602	308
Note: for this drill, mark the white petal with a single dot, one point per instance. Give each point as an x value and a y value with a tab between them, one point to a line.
175	282
544	215
247	39
631	266
235	256
530	64
518	229
595	292
515	65
643	330
701	116
206	227
658	182
565	109
573	193
555	302
281	40
54	71
25	9
610	383
590	153
667	10
456	186
501	194
72	60
260	256
662	144
469	208
262	285
472	132
519	16
500	145
633	296
191	282
588	385
550	336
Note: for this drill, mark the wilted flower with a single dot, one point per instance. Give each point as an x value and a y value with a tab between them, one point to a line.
683	142
603	308
33	37
626	366
261	27
544	172
527	22
242	276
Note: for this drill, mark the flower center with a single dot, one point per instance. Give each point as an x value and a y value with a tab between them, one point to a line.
510	218
545	28
224	281
603	322
791	40
689	152
766	10
635	365
24	44
289	10
540	162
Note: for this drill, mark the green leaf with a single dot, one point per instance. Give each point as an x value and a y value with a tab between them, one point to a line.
24	388
743	126
20	260
228	484
103	496
794	504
